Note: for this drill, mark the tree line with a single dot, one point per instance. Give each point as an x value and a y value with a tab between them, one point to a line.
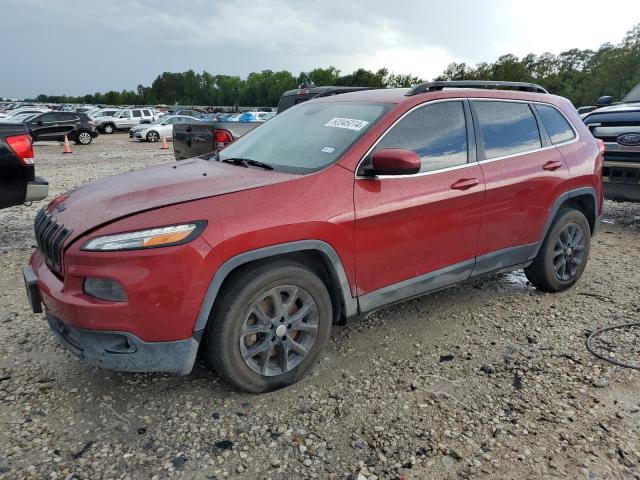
580	75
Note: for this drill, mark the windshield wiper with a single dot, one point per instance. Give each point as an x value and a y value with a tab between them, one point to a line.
246	162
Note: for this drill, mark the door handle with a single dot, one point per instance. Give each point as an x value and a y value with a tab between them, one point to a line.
465	184
552	165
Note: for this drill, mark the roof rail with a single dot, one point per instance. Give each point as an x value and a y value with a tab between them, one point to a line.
489	84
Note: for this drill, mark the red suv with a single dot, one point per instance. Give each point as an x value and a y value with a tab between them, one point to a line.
332	209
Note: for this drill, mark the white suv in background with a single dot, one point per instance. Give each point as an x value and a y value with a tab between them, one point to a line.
124	119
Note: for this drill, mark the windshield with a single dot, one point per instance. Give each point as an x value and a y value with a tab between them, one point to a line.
158	121
308	137
633	96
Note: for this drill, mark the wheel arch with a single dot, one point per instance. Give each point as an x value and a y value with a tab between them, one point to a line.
315	254
583	199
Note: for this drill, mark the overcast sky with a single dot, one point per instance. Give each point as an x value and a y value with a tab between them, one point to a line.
83	46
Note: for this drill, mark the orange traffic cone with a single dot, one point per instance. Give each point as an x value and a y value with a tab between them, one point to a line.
164	144
67	147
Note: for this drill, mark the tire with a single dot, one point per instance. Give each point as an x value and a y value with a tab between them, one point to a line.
108	128
153	136
83	138
237	342
564	253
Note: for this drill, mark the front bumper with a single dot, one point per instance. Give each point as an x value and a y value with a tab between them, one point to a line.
621	180
124	351
116	350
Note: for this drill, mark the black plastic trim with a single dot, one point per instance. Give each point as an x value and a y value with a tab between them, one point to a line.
124	351
339	274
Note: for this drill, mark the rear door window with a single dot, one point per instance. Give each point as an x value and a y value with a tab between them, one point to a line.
556	124
436	132
508	128
137	114
49	117
147	113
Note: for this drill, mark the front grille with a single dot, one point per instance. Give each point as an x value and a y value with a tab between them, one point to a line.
621	156
50	235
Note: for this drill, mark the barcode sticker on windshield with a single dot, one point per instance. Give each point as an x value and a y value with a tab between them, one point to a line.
348	123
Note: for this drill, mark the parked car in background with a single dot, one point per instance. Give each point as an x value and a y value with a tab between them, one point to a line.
124	119
55	125
19	111
253	253
19	118
18	183
308	91
619	127
162	127
193	139
185	112
104	112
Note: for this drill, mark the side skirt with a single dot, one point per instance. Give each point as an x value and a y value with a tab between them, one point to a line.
503	260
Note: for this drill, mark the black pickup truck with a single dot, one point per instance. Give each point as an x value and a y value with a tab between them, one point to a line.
193	140
619	127
18	183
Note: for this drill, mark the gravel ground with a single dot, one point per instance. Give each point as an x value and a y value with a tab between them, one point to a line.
489	379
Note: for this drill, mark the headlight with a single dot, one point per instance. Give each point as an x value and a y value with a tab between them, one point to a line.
154	237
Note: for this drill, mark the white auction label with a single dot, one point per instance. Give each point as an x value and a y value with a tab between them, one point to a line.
348	123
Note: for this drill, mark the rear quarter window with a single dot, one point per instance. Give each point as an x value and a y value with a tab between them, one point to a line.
556	124
508	128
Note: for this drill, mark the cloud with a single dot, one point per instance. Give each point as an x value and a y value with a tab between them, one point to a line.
76	47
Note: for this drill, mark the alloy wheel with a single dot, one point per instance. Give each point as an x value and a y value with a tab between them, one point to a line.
568	252
84	138
279	331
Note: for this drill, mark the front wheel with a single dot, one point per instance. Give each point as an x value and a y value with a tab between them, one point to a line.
564	253
108	128
269	327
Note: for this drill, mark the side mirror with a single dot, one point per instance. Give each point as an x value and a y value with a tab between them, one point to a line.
604	101
395	161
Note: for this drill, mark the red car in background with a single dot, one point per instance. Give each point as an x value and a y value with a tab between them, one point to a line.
333	209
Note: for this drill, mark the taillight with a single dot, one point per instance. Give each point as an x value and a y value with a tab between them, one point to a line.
601	146
21	145
221	138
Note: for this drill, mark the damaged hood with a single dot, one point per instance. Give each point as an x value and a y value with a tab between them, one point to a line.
97	203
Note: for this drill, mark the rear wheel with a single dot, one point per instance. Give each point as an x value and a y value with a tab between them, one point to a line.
84	138
108	128
564	253
269	327
153	136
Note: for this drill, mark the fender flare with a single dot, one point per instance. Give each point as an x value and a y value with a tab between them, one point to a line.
578	192
337	271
